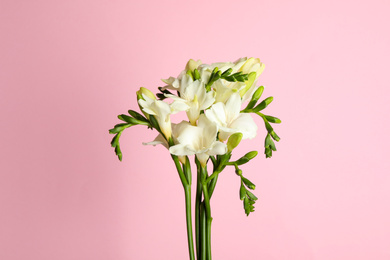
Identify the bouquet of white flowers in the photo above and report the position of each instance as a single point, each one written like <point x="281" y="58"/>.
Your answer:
<point x="212" y="97"/>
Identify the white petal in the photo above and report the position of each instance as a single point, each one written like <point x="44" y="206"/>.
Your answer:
<point x="245" y="124"/>
<point x="208" y="100"/>
<point x="190" y="135"/>
<point x="177" y="129"/>
<point x="202" y="157"/>
<point x="209" y="131"/>
<point x="158" y="140"/>
<point x="233" y="107"/>
<point x="217" y="114"/>
<point x="180" y="150"/>
<point x="178" y="106"/>
<point x="218" y="148"/>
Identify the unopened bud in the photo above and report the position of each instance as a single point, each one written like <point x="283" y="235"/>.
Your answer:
<point x="191" y="64"/>
<point x="248" y="183"/>
<point x="146" y="92"/>
<point x="233" y="141"/>
<point x="251" y="155"/>
<point x="248" y="83"/>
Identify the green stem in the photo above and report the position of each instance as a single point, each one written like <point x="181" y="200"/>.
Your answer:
<point x="202" y="232"/>
<point x="211" y="186"/>
<point x="209" y="219"/>
<point x="187" y="193"/>
<point x="180" y="170"/>
<point x="190" y="238"/>
<point x="198" y="199"/>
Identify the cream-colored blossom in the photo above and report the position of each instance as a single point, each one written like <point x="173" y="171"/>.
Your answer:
<point x="199" y="140"/>
<point x="229" y="120"/>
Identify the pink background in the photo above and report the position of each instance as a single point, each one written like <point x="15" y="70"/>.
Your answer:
<point x="67" y="68"/>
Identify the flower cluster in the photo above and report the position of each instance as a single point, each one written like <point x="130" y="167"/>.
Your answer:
<point x="212" y="97"/>
<point x="218" y="100"/>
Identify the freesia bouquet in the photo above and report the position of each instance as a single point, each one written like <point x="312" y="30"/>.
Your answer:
<point x="213" y="97"/>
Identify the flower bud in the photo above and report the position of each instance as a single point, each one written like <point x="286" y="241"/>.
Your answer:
<point x="253" y="65"/>
<point x="255" y="97"/>
<point x="191" y="64"/>
<point x="234" y="141"/>
<point x="263" y="104"/>
<point x="242" y="192"/>
<point x="251" y="155"/>
<point x="248" y="83"/>
<point x="248" y="183"/>
<point x="145" y="91"/>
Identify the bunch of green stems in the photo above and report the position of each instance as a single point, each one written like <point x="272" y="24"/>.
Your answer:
<point x="205" y="185"/>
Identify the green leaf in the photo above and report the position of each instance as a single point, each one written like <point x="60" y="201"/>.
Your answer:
<point x="263" y="104"/>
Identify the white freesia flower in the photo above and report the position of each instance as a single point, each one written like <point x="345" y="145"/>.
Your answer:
<point x="160" y="110"/>
<point x="224" y="89"/>
<point x="199" y="140"/>
<point x="229" y="120"/>
<point x="193" y="98"/>
<point x="172" y="82"/>
<point x="176" y="131"/>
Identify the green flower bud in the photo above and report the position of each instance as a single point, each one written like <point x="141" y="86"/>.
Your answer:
<point x="263" y="104"/>
<point x="242" y="192"/>
<point x="146" y="92"/>
<point x="248" y="183"/>
<point x="255" y="97"/>
<point x="233" y="141"/>
<point x="196" y="74"/>
<point x="251" y="155"/>
<point x="249" y="83"/>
